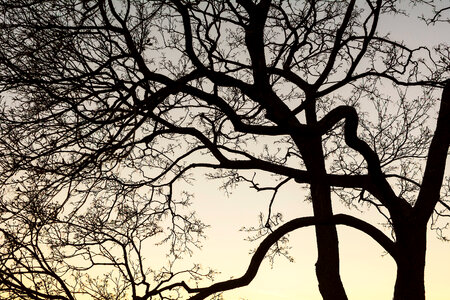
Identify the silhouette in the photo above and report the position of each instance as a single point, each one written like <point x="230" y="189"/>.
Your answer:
<point x="108" y="105"/>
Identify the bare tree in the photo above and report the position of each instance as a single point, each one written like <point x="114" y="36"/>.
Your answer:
<point x="108" y="105"/>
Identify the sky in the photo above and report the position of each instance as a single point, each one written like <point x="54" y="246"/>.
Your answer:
<point x="367" y="273"/>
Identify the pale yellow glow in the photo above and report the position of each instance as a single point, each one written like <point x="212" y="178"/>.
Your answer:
<point x="367" y="272"/>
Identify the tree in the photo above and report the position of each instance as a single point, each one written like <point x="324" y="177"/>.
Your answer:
<point x="108" y="105"/>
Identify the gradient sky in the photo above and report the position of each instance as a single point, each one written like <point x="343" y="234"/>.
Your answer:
<point x="367" y="273"/>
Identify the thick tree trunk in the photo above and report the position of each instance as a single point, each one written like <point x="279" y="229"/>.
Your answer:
<point x="411" y="243"/>
<point x="411" y="232"/>
<point x="327" y="265"/>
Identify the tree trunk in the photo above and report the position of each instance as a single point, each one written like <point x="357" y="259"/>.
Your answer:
<point x="327" y="265"/>
<point x="411" y="243"/>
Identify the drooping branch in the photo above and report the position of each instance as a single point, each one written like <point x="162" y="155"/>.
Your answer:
<point x="258" y="256"/>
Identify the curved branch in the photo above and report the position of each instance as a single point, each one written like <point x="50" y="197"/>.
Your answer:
<point x="385" y="193"/>
<point x="261" y="252"/>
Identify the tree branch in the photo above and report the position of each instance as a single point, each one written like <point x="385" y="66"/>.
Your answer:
<point x="437" y="157"/>
<point x="258" y="256"/>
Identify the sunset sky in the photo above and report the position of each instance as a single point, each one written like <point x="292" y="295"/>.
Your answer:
<point x="125" y="153"/>
<point x="367" y="273"/>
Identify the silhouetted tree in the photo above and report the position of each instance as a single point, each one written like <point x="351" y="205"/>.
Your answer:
<point x="109" y="104"/>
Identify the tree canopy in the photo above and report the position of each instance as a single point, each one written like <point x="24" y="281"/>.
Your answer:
<point x="109" y="105"/>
